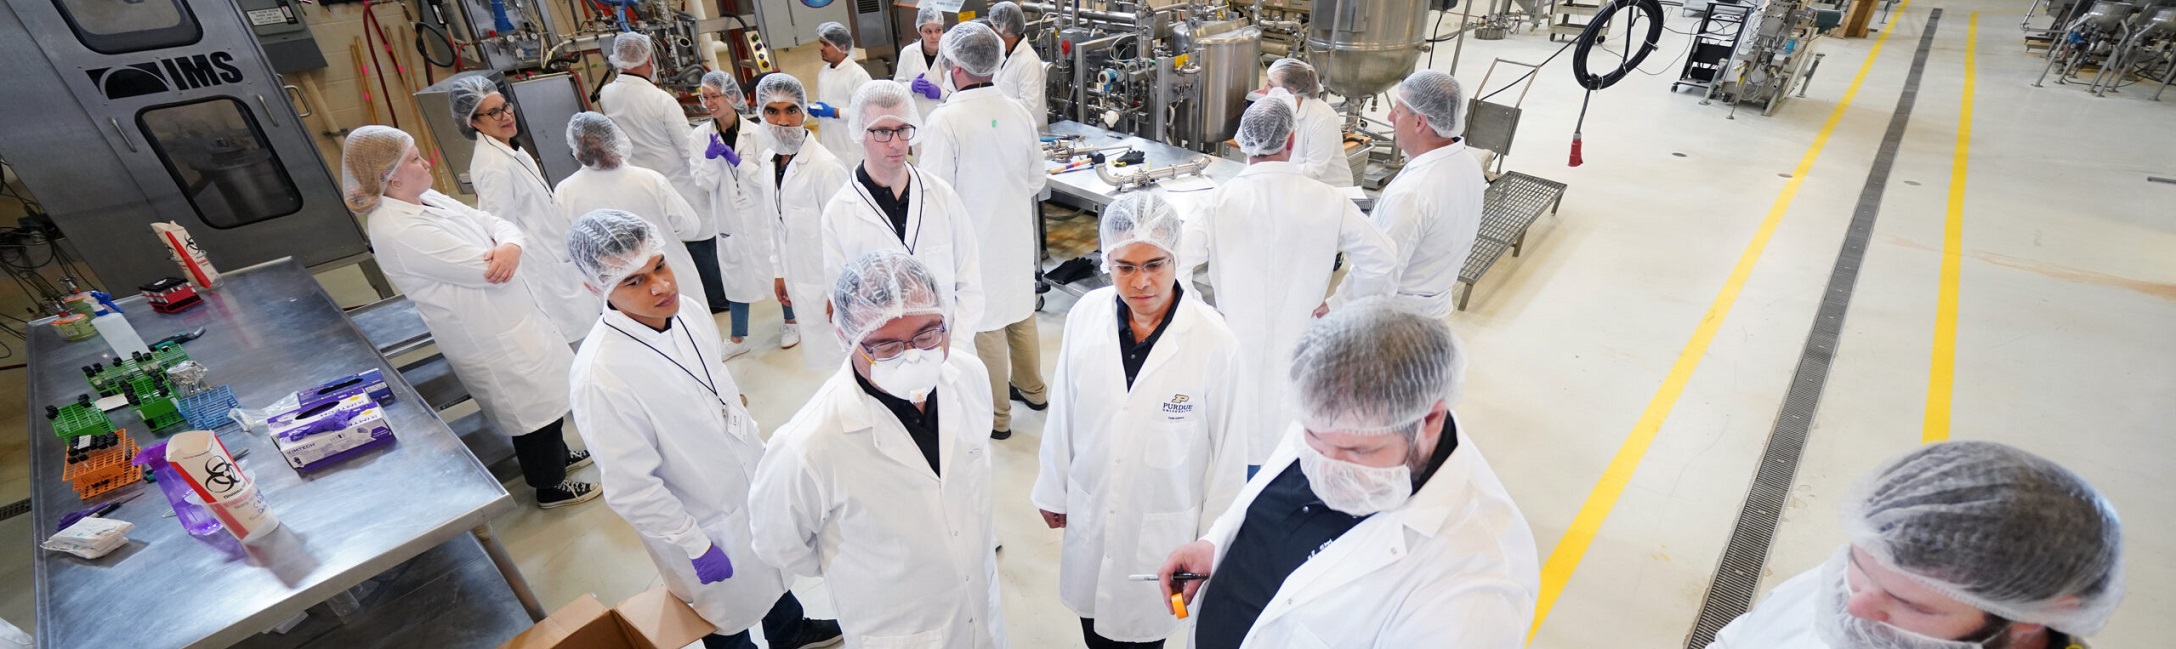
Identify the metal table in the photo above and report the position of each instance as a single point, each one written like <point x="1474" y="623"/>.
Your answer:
<point x="1082" y="188"/>
<point x="268" y="331"/>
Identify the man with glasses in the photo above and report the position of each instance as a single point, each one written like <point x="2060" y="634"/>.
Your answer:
<point x="1146" y="444"/>
<point x="881" y="484"/>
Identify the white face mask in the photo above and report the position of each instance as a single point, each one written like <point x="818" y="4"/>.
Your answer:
<point x="910" y="376"/>
<point x="1355" y="489"/>
<point x="1842" y="630"/>
<point x="786" y="140"/>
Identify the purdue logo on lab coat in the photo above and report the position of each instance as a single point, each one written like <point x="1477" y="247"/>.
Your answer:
<point x="1178" y="406"/>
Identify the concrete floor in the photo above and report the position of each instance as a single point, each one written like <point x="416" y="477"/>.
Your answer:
<point x="2067" y="295"/>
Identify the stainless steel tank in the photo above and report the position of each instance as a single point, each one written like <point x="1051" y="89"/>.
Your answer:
<point x="1230" y="54"/>
<point x="1363" y="47"/>
<point x="2108" y="16"/>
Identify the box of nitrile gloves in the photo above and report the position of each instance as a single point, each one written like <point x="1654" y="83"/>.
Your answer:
<point x="332" y="431"/>
<point x="370" y="382"/>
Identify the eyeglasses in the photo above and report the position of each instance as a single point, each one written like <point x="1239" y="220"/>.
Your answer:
<point x="1157" y="266"/>
<point x="931" y="338"/>
<point x="496" y="113"/>
<point x="886" y="134"/>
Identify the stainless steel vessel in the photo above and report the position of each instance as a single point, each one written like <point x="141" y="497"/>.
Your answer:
<point x="1230" y="63"/>
<point x="1363" y="47"/>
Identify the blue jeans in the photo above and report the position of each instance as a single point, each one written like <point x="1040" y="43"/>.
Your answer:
<point x="740" y="317"/>
<point x="784" y="621"/>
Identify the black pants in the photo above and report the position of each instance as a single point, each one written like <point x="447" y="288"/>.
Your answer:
<point x="1088" y="632"/>
<point x="706" y="264"/>
<point x="779" y="625"/>
<point x="543" y="455"/>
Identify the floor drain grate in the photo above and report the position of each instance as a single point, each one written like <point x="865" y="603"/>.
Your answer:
<point x="14" y="509"/>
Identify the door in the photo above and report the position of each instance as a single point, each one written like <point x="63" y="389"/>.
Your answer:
<point x="790" y="23"/>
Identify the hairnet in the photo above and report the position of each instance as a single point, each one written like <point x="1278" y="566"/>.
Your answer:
<point x="887" y="98"/>
<point x="837" y="35"/>
<point x="1374" y="366"/>
<point x="1139" y="217"/>
<point x="608" y="245"/>
<point x="367" y="161"/>
<point x="878" y="288"/>
<point x="468" y="94"/>
<point x="779" y="86"/>
<point x="629" y="50"/>
<point x="1436" y="95"/>
<point x="929" y="13"/>
<point x="725" y="84"/>
<point x="2004" y="530"/>
<point x="1008" y="19"/>
<point x="1265" y="128"/>
<point x="597" y="142"/>
<point x="974" y="48"/>
<point x="1295" y="76"/>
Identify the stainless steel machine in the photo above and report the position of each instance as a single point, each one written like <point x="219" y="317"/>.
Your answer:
<point x="542" y="105"/>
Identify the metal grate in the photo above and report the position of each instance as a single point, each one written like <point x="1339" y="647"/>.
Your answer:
<point x="1491" y="126"/>
<point x="1510" y="205"/>
<point x="14" y="509"/>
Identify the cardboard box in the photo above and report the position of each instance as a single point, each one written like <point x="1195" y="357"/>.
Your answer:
<point x="651" y="620"/>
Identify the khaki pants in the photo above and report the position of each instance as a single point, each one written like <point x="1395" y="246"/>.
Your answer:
<point x="1014" y="357"/>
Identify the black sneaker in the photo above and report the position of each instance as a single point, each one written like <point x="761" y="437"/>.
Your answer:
<point x="577" y="459"/>
<point x="1016" y="396"/>
<point x="567" y="493"/>
<point x="814" y="633"/>
<point x="1000" y="434"/>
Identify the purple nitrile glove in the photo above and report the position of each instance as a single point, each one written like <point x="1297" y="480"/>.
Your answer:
<point x="717" y="148"/>
<point x="922" y="85"/>
<point x="820" y="109"/>
<point x="732" y="158"/>
<point x="713" y="567"/>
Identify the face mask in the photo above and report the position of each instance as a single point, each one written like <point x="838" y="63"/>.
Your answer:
<point x="1355" y="489"/>
<point x="910" y="376"/>
<point x="1842" y="630"/>
<point x="785" y="140"/>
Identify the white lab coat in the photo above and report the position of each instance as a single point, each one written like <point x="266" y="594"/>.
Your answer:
<point x="745" y="240"/>
<point x="938" y="233"/>
<point x="1453" y="568"/>
<point x="1270" y="237"/>
<point x="1433" y="210"/>
<point x="1139" y="471"/>
<point x="912" y="64"/>
<point x="676" y="459"/>
<point x="796" y="213"/>
<point x="502" y="347"/>
<point x="646" y="194"/>
<point x="1021" y="78"/>
<point x="835" y="85"/>
<point x="1319" y="148"/>
<point x="909" y="555"/>
<point x="656" y="128"/>
<point x="983" y="141"/>
<point x="1782" y="620"/>
<point x="510" y="186"/>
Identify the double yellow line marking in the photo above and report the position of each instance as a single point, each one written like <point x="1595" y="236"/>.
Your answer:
<point x="1942" y="372"/>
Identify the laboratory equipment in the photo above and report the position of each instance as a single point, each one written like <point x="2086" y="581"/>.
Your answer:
<point x="1774" y="49"/>
<point x="170" y="295"/>
<point x="188" y="507"/>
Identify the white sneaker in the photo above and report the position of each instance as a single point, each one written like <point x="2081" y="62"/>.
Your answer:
<point x="733" y="348"/>
<point x="789" y="335"/>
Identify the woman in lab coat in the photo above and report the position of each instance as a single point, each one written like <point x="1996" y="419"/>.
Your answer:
<point x="509" y="185"/>
<point x="1141" y="451"/>
<point x="463" y="269"/>
<point x="918" y="65"/>
<point x="835" y="86"/>
<point x="1319" y="137"/>
<point x="793" y="201"/>
<point x="726" y="166"/>
<point x="607" y="182"/>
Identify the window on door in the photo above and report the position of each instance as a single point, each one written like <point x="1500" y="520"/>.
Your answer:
<point x="122" y="26"/>
<point x="221" y="161"/>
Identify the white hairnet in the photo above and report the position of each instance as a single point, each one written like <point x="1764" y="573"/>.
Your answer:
<point x="1008" y="19"/>
<point x="629" y="50"/>
<point x="1265" y="128"/>
<point x="885" y="98"/>
<point x="779" y="86"/>
<point x="837" y="35"/>
<point x="1374" y="366"/>
<point x="597" y="142"/>
<point x="974" y="48"/>
<point x="878" y="288"/>
<point x="608" y="245"/>
<point x="468" y="93"/>
<point x="1295" y="76"/>
<point x="725" y="84"/>
<point x="1435" y="94"/>
<point x="928" y="14"/>
<point x="1139" y="217"/>
<point x="367" y="161"/>
<point x="2006" y="531"/>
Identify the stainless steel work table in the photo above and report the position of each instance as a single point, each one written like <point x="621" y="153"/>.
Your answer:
<point x="1082" y="188"/>
<point x="269" y="330"/>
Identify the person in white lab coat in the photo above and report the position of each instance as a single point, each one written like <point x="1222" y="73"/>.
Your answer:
<point x="890" y="205"/>
<point x="463" y="269"/>
<point x="725" y="163"/>
<point x="652" y="395"/>
<point x="796" y="180"/>
<point x="1953" y="545"/>
<point x="881" y="484"/>
<point x="1433" y="207"/>
<point x="983" y="143"/>
<point x="1022" y="77"/>
<point x="1271" y="237"/>
<point x="658" y="139"/>
<point x="918" y="65"/>
<point x="1377" y="523"/>
<point x="836" y="83"/>
<point x="509" y="185"/>
<point x="1318" y="131"/>
<point x="607" y="182"/>
<point x="1145" y="445"/>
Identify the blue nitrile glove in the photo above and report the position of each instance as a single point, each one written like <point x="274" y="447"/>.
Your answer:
<point x="718" y="149"/>
<point x="820" y="109"/>
<point x="713" y="567"/>
<point x="922" y="85"/>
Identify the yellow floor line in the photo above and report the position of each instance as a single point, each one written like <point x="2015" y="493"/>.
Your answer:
<point x="1557" y="572"/>
<point x="1942" y="373"/>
